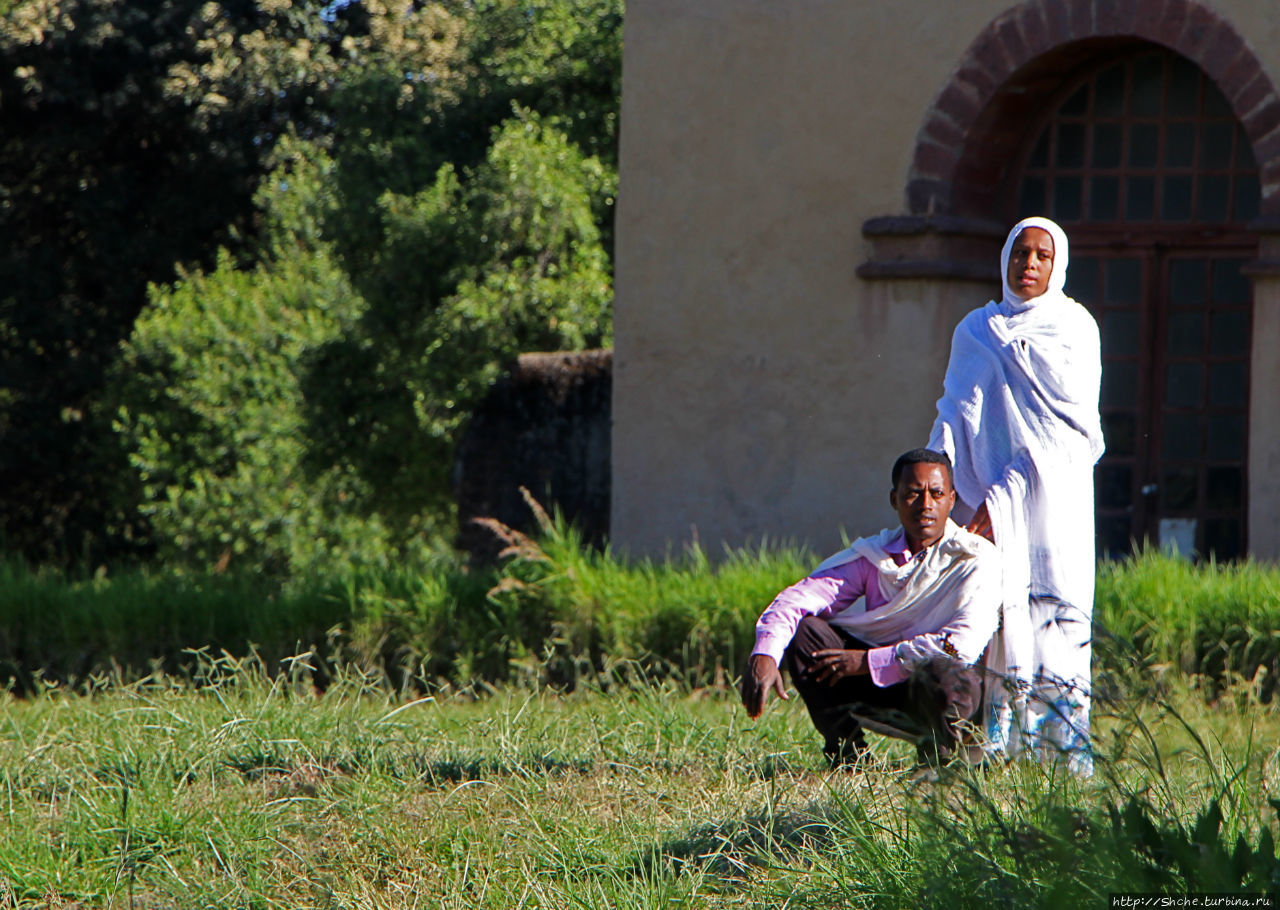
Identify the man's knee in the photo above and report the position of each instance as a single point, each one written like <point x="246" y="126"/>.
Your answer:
<point x="957" y="689"/>
<point x="945" y="696"/>
<point x="814" y="634"/>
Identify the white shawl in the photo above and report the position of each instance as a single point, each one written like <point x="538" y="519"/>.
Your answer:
<point x="1019" y="418"/>
<point x="943" y="604"/>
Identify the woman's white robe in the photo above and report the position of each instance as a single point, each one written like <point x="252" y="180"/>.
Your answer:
<point x="1019" y="418"/>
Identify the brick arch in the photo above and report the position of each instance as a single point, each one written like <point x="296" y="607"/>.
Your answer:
<point x="976" y="125"/>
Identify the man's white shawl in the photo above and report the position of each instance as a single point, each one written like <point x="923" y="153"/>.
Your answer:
<point x="943" y="604"/>
<point x="1019" y="418"/>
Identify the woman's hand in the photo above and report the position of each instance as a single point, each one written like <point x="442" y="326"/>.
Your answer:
<point x="981" y="523"/>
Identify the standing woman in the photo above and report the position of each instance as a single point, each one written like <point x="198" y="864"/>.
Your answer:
<point x="1019" y="418"/>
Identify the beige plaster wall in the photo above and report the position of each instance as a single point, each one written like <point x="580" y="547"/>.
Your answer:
<point x="1259" y="23"/>
<point x="1264" y="420"/>
<point x="760" y="387"/>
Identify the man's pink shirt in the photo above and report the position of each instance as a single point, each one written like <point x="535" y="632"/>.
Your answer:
<point x="826" y="594"/>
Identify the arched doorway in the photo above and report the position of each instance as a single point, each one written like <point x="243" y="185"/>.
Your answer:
<point x="1142" y="159"/>
<point x="977" y="143"/>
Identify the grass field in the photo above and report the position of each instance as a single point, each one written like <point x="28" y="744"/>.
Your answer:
<point x="259" y="792"/>
<point x="560" y="732"/>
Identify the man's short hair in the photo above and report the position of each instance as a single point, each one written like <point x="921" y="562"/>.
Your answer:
<point x="922" y="456"/>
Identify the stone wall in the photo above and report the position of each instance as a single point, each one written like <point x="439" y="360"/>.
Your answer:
<point x="544" y="426"/>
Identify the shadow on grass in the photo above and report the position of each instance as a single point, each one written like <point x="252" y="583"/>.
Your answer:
<point x="729" y="849"/>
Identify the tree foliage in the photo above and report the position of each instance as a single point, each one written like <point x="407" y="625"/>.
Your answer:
<point x="210" y="404"/>
<point x="121" y="155"/>
<point x="405" y="195"/>
<point x="482" y="264"/>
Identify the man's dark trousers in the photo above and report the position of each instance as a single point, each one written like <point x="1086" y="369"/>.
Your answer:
<point x="915" y="710"/>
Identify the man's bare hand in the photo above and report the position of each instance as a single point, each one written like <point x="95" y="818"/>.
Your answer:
<point x="761" y="676"/>
<point x="981" y="523"/>
<point x="831" y="665"/>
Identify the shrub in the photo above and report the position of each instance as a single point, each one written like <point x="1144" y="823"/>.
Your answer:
<point x="209" y="400"/>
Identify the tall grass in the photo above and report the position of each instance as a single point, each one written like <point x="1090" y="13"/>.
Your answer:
<point x="1216" y="622"/>
<point x="555" y="610"/>
<point x="54" y="626"/>
<point x="560" y="613"/>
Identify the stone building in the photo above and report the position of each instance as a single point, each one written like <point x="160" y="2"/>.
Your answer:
<point x="813" y="192"/>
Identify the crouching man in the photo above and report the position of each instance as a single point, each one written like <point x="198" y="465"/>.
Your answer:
<point x="903" y="665"/>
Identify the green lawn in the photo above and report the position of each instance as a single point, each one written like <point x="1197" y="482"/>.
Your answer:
<point x="262" y="793"/>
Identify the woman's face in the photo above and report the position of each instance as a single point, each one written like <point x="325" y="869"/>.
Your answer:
<point x="1031" y="263"/>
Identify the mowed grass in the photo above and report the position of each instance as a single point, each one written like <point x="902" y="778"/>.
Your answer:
<point x="259" y="792"/>
<point x="256" y="794"/>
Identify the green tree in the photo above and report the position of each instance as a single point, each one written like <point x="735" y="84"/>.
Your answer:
<point x="110" y="174"/>
<point x="470" y="272"/>
<point x="441" y="240"/>
<point x="133" y="137"/>
<point x="208" y="399"/>
<point x="210" y="402"/>
<point x="451" y="162"/>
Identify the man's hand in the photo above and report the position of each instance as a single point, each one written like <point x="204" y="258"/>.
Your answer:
<point x="761" y="675"/>
<point x="831" y="665"/>
<point x="981" y="523"/>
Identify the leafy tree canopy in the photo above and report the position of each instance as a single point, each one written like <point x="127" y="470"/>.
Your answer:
<point x="405" y="194"/>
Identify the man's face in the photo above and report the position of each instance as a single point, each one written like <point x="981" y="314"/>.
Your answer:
<point x="923" y="501"/>
<point x="1031" y="263"/>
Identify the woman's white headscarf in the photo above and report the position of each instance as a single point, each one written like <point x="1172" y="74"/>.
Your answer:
<point x="1057" y="278"/>
<point x="1019" y="418"/>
